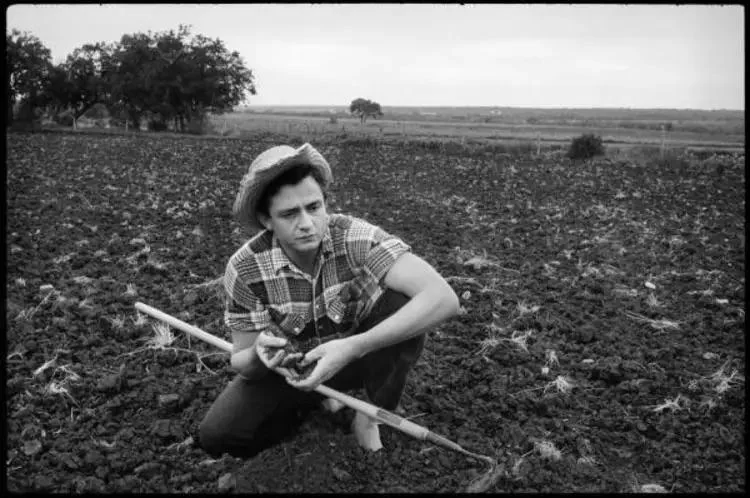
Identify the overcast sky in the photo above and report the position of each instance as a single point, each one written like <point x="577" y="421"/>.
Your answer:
<point x="638" y="56"/>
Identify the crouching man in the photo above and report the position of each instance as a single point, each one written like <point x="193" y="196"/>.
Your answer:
<point x="308" y="277"/>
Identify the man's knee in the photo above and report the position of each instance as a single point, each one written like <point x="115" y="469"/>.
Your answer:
<point x="217" y="442"/>
<point x="212" y="438"/>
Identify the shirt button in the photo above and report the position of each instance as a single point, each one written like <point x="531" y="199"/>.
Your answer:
<point x="336" y="317"/>
<point x="296" y="329"/>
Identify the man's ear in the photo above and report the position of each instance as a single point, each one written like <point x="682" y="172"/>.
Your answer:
<point x="264" y="220"/>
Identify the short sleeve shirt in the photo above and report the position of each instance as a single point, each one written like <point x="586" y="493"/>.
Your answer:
<point x="263" y="286"/>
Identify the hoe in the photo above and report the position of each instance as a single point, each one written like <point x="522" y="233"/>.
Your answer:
<point x="480" y="484"/>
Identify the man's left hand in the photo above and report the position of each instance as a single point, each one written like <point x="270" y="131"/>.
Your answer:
<point x="331" y="357"/>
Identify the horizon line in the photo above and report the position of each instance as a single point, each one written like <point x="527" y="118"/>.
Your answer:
<point x="512" y="107"/>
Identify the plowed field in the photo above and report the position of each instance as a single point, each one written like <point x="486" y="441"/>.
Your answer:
<point x="600" y="348"/>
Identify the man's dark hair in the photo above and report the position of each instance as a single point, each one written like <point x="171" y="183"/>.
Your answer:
<point x="292" y="176"/>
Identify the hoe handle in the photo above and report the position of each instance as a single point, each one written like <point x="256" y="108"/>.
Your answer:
<point x="185" y="327"/>
<point x="384" y="416"/>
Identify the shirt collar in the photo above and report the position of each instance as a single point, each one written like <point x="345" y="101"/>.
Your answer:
<point x="279" y="259"/>
<point x="327" y="241"/>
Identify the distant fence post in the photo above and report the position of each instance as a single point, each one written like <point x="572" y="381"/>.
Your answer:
<point x="538" y="143"/>
<point x="663" y="139"/>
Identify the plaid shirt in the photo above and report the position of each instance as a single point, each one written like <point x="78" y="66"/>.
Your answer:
<point x="263" y="286"/>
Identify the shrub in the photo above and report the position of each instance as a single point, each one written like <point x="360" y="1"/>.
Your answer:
<point x="198" y="126"/>
<point x="495" y="149"/>
<point x="117" y="122"/>
<point x="453" y="148"/>
<point x="674" y="159"/>
<point x="362" y="142"/>
<point x="28" y="117"/>
<point x="586" y="146"/>
<point x="523" y="148"/>
<point x="64" y="118"/>
<point x="157" y="125"/>
<point x="98" y="111"/>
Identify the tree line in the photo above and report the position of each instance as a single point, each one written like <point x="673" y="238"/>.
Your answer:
<point x="170" y="78"/>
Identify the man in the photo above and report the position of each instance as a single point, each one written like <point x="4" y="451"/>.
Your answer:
<point x="355" y="290"/>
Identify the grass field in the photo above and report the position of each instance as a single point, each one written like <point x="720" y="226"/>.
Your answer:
<point x="536" y="127"/>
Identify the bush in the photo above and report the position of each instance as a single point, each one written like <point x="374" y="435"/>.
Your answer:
<point x="27" y="118"/>
<point x="157" y="125"/>
<point x="586" y="146"/>
<point x="64" y="118"/>
<point x="200" y="126"/>
<point x="117" y="122"/>
<point x="362" y="142"/>
<point x="672" y="160"/>
<point x="98" y="111"/>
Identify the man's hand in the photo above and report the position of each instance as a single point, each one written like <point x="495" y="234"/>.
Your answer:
<point x="270" y="349"/>
<point x="331" y="357"/>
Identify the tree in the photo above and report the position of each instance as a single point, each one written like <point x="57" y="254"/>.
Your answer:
<point x="27" y="65"/>
<point x="172" y="76"/>
<point x="163" y="76"/>
<point x="364" y="108"/>
<point x="131" y="73"/>
<point x="82" y="81"/>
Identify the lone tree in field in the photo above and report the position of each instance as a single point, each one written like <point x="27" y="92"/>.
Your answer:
<point x="364" y="108"/>
<point x="27" y="67"/>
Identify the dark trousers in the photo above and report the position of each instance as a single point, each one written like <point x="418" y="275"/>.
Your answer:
<point x="249" y="416"/>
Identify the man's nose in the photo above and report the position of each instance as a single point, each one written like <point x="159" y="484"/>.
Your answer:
<point x="305" y="220"/>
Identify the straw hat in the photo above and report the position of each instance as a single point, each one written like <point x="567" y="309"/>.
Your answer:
<point x="267" y="166"/>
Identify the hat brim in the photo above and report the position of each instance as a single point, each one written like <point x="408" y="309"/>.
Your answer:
<point x="263" y="171"/>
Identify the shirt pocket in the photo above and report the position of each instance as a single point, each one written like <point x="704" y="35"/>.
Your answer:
<point x="290" y="323"/>
<point x="340" y="307"/>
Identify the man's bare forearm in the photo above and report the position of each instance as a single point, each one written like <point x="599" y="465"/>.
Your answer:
<point x="425" y="310"/>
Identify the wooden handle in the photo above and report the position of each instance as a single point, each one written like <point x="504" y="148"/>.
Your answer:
<point x="400" y="423"/>
<point x="384" y="416"/>
<point x="185" y="327"/>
